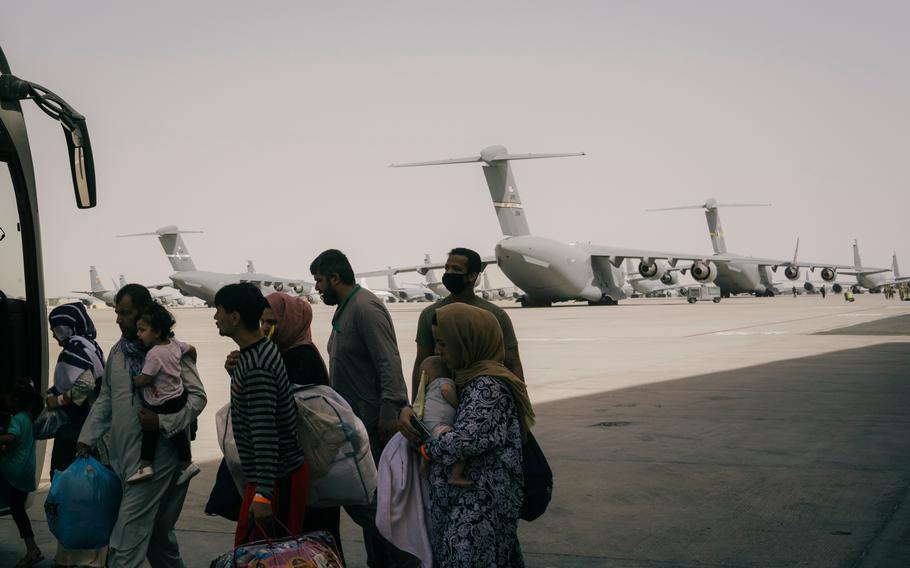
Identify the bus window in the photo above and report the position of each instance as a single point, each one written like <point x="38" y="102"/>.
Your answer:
<point x="12" y="275"/>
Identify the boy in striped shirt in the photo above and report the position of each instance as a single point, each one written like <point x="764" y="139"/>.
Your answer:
<point x="263" y="416"/>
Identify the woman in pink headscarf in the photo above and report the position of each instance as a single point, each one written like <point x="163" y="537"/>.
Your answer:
<point x="286" y="321"/>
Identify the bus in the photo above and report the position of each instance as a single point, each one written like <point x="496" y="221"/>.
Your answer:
<point x="23" y="307"/>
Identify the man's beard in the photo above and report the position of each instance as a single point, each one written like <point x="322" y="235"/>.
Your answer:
<point x="330" y="298"/>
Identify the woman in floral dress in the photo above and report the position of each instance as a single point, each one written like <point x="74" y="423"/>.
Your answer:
<point x="477" y="525"/>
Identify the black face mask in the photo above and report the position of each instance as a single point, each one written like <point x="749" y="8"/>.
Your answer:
<point x="454" y="283"/>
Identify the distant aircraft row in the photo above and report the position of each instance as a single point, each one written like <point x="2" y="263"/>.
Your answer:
<point x="545" y="271"/>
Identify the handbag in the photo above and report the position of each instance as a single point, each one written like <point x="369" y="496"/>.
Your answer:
<point x="48" y="422"/>
<point x="309" y="549"/>
<point x="538" y="480"/>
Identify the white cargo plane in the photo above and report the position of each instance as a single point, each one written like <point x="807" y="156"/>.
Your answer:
<point x="663" y="286"/>
<point x="97" y="289"/>
<point x="874" y="279"/>
<point x="552" y="271"/>
<point x="203" y="284"/>
<point x="738" y="274"/>
<point x="163" y="298"/>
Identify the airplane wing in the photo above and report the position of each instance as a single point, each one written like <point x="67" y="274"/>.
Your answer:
<point x="268" y="280"/>
<point x="420" y="268"/>
<point x="865" y="271"/>
<point x="618" y="254"/>
<point x="160" y="286"/>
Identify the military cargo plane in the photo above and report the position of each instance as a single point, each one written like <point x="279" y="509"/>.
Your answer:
<point x="552" y="271"/>
<point x="203" y="284"/>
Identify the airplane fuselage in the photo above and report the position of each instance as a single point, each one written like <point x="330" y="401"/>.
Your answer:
<point x="742" y="278"/>
<point x="873" y="282"/>
<point x="553" y="271"/>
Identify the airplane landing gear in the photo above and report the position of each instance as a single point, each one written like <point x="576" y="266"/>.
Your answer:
<point x="529" y="303"/>
<point x="605" y="301"/>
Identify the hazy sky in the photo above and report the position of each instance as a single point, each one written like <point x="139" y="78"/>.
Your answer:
<point x="271" y="127"/>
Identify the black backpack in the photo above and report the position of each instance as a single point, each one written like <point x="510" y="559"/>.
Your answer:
<point x="538" y="480"/>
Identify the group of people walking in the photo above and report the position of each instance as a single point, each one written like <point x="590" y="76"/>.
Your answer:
<point x="137" y="408"/>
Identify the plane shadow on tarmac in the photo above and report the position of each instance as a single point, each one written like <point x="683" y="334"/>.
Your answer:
<point x="800" y="462"/>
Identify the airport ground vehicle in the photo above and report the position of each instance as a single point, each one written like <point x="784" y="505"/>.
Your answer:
<point x="23" y="308"/>
<point x="703" y="292"/>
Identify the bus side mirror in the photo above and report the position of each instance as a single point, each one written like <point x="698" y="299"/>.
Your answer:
<point x="82" y="165"/>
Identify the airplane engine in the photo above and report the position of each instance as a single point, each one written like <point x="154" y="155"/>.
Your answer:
<point x="669" y="279"/>
<point x="298" y="288"/>
<point x="829" y="274"/>
<point x="279" y="286"/>
<point x="837" y="288"/>
<point x="808" y="286"/>
<point x="503" y="293"/>
<point x="429" y="296"/>
<point x="792" y="272"/>
<point x="704" y="272"/>
<point x="651" y="269"/>
<point x="486" y="295"/>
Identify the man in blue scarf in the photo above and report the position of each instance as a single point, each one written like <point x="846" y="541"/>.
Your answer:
<point x="149" y="510"/>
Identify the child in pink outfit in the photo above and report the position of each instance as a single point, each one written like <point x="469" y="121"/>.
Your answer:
<point x="162" y="389"/>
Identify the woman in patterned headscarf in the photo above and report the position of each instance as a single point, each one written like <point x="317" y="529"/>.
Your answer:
<point x="77" y="377"/>
<point x="477" y="525"/>
<point x="77" y="382"/>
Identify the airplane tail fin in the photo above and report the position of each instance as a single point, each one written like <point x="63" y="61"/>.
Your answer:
<point x="894" y="267"/>
<point x="714" y="228"/>
<point x="173" y="245"/>
<point x="250" y="269"/>
<point x="501" y="183"/>
<point x="857" y="261"/>
<point x="392" y="281"/>
<point x="122" y="281"/>
<point x="96" y="285"/>
<point x="430" y="275"/>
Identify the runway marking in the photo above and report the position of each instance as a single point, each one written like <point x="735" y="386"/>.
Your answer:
<point x="752" y="333"/>
<point x="856" y="315"/>
<point x="560" y="339"/>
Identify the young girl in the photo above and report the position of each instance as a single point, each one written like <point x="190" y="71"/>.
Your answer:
<point x="18" y="465"/>
<point x="162" y="389"/>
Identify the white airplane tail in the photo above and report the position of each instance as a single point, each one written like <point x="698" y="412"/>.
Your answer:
<point x="857" y="261"/>
<point x="250" y="268"/>
<point x="95" y="281"/>
<point x="713" y="217"/>
<point x="894" y="267"/>
<point x="430" y="274"/>
<point x="501" y="182"/>
<point x="122" y="281"/>
<point x="173" y="245"/>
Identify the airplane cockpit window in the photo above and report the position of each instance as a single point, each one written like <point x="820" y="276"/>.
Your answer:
<point x="12" y="259"/>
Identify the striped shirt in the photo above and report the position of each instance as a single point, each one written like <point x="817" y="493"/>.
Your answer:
<point x="264" y="417"/>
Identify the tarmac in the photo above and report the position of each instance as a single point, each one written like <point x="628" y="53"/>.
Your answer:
<point x="754" y="432"/>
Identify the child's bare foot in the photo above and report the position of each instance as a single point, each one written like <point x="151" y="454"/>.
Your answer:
<point x="460" y="481"/>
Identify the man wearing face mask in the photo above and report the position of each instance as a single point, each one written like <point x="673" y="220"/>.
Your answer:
<point x="463" y="268"/>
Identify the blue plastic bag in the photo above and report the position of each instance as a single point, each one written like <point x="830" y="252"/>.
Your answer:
<point x="82" y="504"/>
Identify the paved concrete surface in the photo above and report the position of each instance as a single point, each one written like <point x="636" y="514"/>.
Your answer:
<point x="680" y="435"/>
<point x="897" y="325"/>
